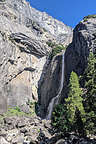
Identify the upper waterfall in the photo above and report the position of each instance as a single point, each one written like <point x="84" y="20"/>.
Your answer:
<point x="55" y="100"/>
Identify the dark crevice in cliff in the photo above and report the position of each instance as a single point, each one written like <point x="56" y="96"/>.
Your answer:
<point x="30" y="69"/>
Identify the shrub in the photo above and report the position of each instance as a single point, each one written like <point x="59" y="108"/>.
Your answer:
<point x="88" y="17"/>
<point x="60" y="119"/>
<point x="50" y="44"/>
<point x="14" y="111"/>
<point x="57" y="49"/>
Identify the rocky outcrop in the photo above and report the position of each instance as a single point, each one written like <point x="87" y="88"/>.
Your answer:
<point x="21" y="12"/>
<point x="35" y="19"/>
<point x="24" y="33"/>
<point x="33" y="130"/>
<point x="18" y="63"/>
<point x="84" y="41"/>
<point x="24" y="130"/>
<point x="29" y="45"/>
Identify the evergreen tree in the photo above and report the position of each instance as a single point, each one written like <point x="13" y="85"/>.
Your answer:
<point x="70" y="116"/>
<point x="79" y="113"/>
<point x="60" y="118"/>
<point x="74" y="101"/>
<point x="90" y="96"/>
<point x="90" y="83"/>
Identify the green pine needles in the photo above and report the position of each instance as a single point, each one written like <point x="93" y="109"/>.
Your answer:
<point x="89" y="78"/>
<point x="67" y="115"/>
<point x="78" y="113"/>
<point x="74" y="100"/>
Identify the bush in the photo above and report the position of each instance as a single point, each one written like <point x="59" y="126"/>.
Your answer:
<point x="50" y="44"/>
<point x="14" y="111"/>
<point x="59" y="118"/>
<point x="88" y="17"/>
<point x="57" y="49"/>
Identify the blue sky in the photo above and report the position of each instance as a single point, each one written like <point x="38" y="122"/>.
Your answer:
<point x="68" y="11"/>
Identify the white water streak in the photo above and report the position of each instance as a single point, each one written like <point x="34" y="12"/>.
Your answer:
<point x="55" y="100"/>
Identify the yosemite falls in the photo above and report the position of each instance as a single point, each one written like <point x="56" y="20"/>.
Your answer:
<point x="55" y="100"/>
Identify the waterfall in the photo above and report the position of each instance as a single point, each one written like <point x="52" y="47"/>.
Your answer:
<point x="56" y="99"/>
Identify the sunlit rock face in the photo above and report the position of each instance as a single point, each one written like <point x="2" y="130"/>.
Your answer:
<point x="76" y="57"/>
<point x="28" y="15"/>
<point x="24" y="32"/>
<point x="84" y="42"/>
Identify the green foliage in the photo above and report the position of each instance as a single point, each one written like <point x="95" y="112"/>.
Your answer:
<point x="88" y="17"/>
<point x="71" y="115"/>
<point x="74" y="100"/>
<point x="60" y="119"/>
<point x="58" y="49"/>
<point x="32" y="106"/>
<point x="89" y="78"/>
<point x="78" y="113"/>
<point x="29" y="102"/>
<point x="90" y="125"/>
<point x="50" y="44"/>
<point x="14" y="111"/>
<point x="74" y="103"/>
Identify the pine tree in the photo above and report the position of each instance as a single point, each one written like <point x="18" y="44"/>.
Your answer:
<point x="90" y="96"/>
<point x="70" y="116"/>
<point x="90" y="83"/>
<point x="74" y="100"/>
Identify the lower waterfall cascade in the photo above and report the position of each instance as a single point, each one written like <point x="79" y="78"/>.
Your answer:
<point x="55" y="100"/>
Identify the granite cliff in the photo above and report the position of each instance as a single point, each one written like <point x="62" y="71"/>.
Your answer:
<point x="50" y="86"/>
<point x="27" y="72"/>
<point x="84" y="42"/>
<point x="24" y="36"/>
<point x="76" y="56"/>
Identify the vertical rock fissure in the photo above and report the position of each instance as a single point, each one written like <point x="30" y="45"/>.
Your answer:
<point x="55" y="100"/>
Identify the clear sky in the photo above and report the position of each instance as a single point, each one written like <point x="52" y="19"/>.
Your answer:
<point x="68" y="11"/>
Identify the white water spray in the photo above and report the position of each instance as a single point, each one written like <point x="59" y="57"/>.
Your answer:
<point x="56" y="99"/>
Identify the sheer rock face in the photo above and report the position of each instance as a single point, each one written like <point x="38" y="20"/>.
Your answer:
<point x="76" y="55"/>
<point x="35" y="19"/>
<point x="24" y="32"/>
<point x="84" y="41"/>
<point x="50" y="86"/>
